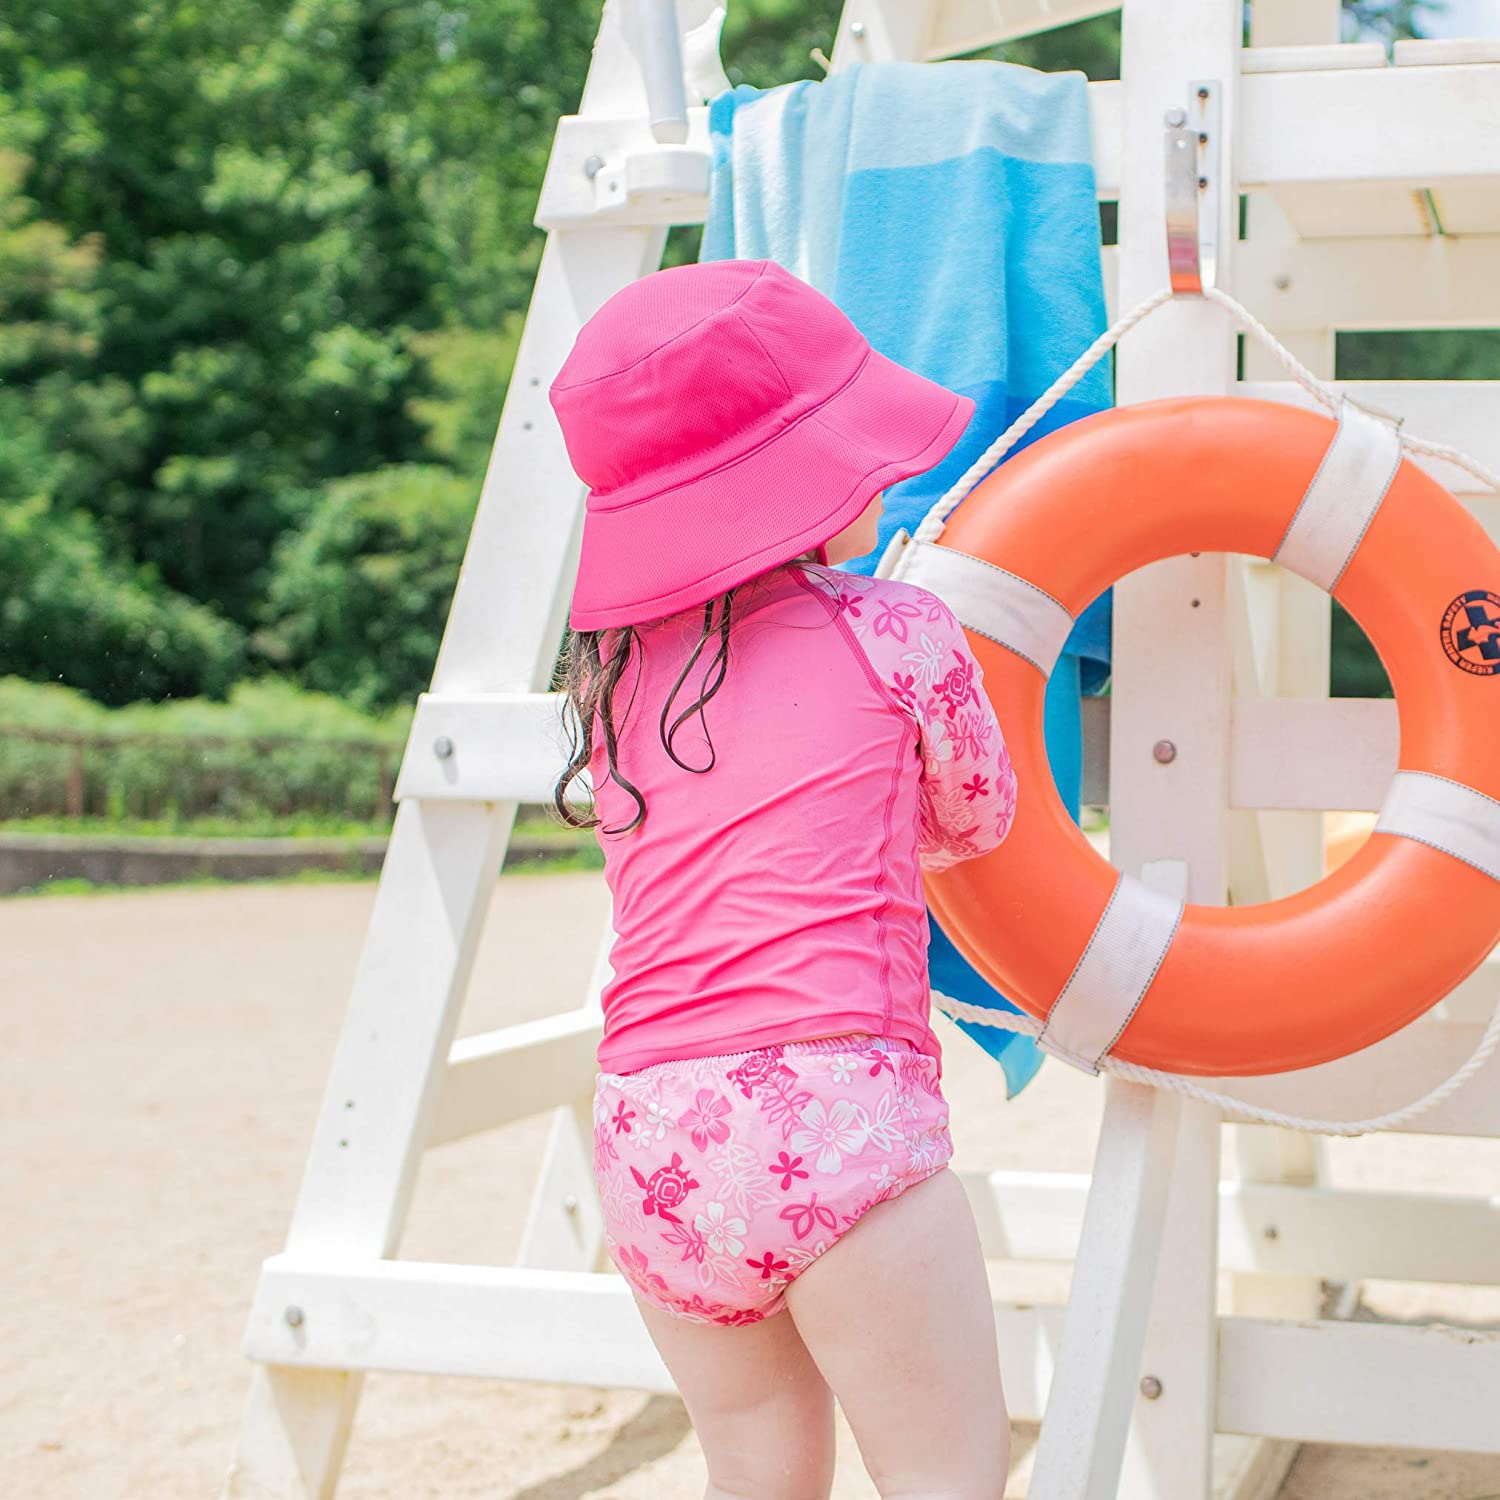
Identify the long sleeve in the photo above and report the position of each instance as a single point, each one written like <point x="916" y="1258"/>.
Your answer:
<point x="917" y="648"/>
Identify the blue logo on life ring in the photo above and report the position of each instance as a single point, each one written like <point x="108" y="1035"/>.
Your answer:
<point x="1471" y="632"/>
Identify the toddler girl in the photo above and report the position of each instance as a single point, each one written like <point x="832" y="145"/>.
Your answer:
<point x="777" y="750"/>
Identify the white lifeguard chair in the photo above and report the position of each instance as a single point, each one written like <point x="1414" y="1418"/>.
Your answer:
<point x="1374" y="203"/>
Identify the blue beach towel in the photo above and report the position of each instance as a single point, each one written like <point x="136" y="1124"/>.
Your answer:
<point x="950" y="210"/>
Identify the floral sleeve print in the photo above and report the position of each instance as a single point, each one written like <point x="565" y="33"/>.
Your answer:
<point x="917" y="647"/>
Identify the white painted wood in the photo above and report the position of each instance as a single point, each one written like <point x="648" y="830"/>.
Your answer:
<point x="877" y="31"/>
<point x="1337" y="754"/>
<point x="1266" y="1228"/>
<point x="564" y="1227"/>
<point x="1365" y="1383"/>
<point x="1294" y="23"/>
<point x="1374" y="283"/>
<point x="1385" y="1076"/>
<point x="968" y="25"/>
<point x="1462" y="413"/>
<point x="293" y="1434"/>
<point x="491" y="747"/>
<point x="1089" y="1405"/>
<point x="1170" y="1447"/>
<point x="498" y="1077"/>
<point x="1447" y="51"/>
<point x="1304" y="58"/>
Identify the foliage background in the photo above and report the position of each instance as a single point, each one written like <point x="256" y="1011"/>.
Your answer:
<point x="263" y="265"/>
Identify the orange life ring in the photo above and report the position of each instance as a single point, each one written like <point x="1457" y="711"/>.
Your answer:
<point x="1315" y="976"/>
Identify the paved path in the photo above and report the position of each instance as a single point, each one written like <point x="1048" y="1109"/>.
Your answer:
<point x="161" y="1059"/>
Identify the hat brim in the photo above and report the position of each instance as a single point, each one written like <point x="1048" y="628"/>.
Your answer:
<point x="651" y="556"/>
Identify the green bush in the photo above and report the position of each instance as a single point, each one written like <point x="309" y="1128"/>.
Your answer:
<point x="359" y="594"/>
<point x="202" y="760"/>
<point x="119" y="633"/>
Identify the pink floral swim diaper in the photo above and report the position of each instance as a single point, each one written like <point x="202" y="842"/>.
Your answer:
<point x="723" y="1178"/>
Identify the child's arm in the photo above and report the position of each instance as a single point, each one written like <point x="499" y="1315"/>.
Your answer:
<point x="968" y="787"/>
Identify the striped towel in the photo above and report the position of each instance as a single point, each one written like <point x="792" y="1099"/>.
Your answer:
<point x="950" y="210"/>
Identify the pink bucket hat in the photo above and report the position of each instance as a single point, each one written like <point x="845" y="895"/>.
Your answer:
<point x="726" y="418"/>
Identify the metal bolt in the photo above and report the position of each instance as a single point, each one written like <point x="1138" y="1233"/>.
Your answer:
<point x="442" y="747"/>
<point x="1150" y="1387"/>
<point x="1281" y="282"/>
<point x="293" y="1316"/>
<point x="1271" y="1232"/>
<point x="593" y="166"/>
<point x="1202" y="137"/>
<point x="1203" y="93"/>
<point x="527" y="426"/>
<point x="1164" y="752"/>
<point x="1203" y="182"/>
<point x="856" y="29"/>
<point x="1176" y="118"/>
<point x="570" y="1204"/>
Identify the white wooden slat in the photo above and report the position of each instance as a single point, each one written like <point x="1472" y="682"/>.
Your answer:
<point x="875" y="31"/>
<point x="1274" y="1378"/>
<point x="1304" y="58"/>
<point x="1314" y="1231"/>
<point x="484" y="747"/>
<point x="1447" y="51"/>
<point x="1385" y="1076"/>
<point x="1370" y="283"/>
<point x="1367" y="124"/>
<point x="1088" y="1411"/>
<point x="1370" y="1384"/>
<point x="1300" y="128"/>
<point x="509" y="1324"/>
<point x="1364" y="210"/>
<point x="497" y="1077"/>
<point x="968" y="25"/>
<point x="1335" y="754"/>
<point x="1462" y="413"/>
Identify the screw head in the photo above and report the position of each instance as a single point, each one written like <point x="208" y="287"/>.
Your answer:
<point x="570" y="1204"/>
<point x="1203" y="92"/>
<point x="1150" y="1387"/>
<point x="856" y="29"/>
<point x="442" y="747"/>
<point x="1176" y="118"/>
<point x="1271" y="1232"/>
<point x="1281" y="282"/>
<point x="1164" y="752"/>
<point x="593" y="166"/>
<point x="293" y="1316"/>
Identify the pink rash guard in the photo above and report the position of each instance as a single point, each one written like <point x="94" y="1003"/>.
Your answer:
<point x="778" y="896"/>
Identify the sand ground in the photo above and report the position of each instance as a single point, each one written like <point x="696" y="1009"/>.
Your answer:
<point x="161" y="1060"/>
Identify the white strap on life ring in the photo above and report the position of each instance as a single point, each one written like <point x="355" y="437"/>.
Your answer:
<point x="1343" y="497"/>
<point x="1111" y="978"/>
<point x="989" y="601"/>
<point x="1445" y="814"/>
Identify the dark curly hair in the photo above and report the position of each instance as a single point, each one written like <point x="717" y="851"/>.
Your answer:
<point x="593" y="663"/>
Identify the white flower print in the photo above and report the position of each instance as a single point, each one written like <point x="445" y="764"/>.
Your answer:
<point x="721" y="1233"/>
<point x="926" y="1147"/>
<point x="652" y="1125"/>
<point x="927" y="660"/>
<point x="883" y="1128"/>
<point x="742" y="1174"/>
<point x="883" y="1178"/>
<point x="620" y="1201"/>
<point x="836" y="1132"/>
<point x="841" y="1069"/>
<point x="938" y="745"/>
<point x="802" y="1256"/>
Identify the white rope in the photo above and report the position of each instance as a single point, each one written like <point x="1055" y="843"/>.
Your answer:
<point x="931" y="528"/>
<point x="931" y="525"/>
<point x="1241" y="1109"/>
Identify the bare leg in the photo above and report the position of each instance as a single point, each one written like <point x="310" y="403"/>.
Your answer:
<point x="762" y="1412"/>
<point x="898" y="1316"/>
